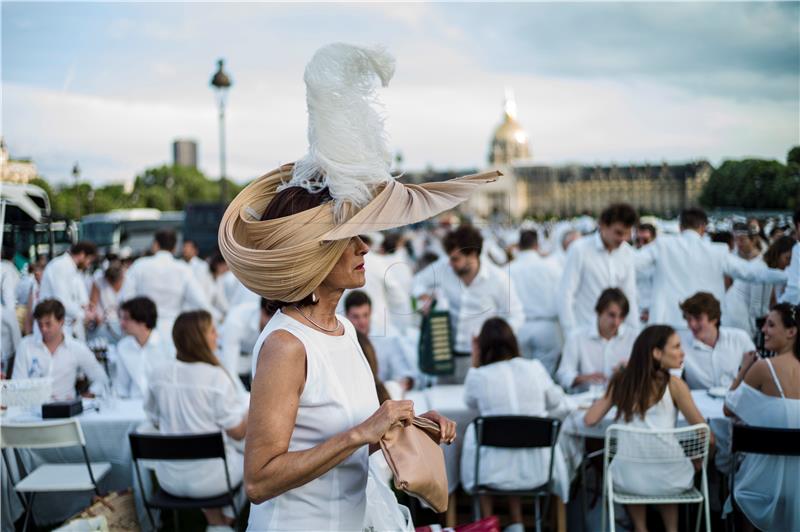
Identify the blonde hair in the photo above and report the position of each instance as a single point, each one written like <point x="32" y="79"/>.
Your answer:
<point x="189" y="336"/>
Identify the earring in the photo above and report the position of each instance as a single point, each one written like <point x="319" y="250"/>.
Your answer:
<point x="314" y="298"/>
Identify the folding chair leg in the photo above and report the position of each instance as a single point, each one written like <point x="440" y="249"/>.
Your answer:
<point x="476" y="507"/>
<point x="699" y="517"/>
<point x="538" y="514"/>
<point x="708" y="514"/>
<point x="175" y="521"/>
<point x="28" y="512"/>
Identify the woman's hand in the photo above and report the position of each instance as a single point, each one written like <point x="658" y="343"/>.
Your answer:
<point x="447" y="427"/>
<point x="389" y="413"/>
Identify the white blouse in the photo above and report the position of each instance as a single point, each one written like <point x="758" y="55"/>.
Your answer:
<point x="339" y="393"/>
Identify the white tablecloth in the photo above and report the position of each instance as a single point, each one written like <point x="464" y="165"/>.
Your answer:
<point x="106" y="433"/>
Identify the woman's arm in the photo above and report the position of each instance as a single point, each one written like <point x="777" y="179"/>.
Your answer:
<point x="683" y="400"/>
<point x="239" y="431"/>
<point x="598" y="410"/>
<point x="269" y="467"/>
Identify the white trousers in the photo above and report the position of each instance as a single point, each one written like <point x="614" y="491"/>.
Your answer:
<point x="542" y="340"/>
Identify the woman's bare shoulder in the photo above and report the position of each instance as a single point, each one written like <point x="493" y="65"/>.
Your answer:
<point x="281" y="346"/>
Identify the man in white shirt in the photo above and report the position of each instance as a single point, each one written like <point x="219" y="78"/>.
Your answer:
<point x="62" y="280"/>
<point x="713" y="353"/>
<point x="596" y="262"/>
<point x="168" y="282"/>
<point x="593" y="353"/>
<point x="645" y="234"/>
<point x="9" y="278"/>
<point x="142" y="350"/>
<point x="57" y="355"/>
<point x="473" y="289"/>
<point x="686" y="264"/>
<point x="399" y="275"/>
<point x="792" y="292"/>
<point x="537" y="286"/>
<point x="200" y="269"/>
<point x="745" y="302"/>
<point x="239" y="333"/>
<point x="396" y="355"/>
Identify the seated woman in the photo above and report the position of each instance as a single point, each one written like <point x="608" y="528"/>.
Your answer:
<point x="501" y="382"/>
<point x="766" y="393"/>
<point x="646" y="396"/>
<point x="193" y="394"/>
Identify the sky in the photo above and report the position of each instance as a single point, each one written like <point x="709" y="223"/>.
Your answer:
<point x="111" y="85"/>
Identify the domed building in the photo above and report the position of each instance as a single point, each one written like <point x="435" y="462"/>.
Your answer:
<point x="510" y="141"/>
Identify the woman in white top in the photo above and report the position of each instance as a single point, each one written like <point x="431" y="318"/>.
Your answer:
<point x="314" y="415"/>
<point x="501" y="382"/>
<point x="105" y="300"/>
<point x="766" y="393"/>
<point x="193" y="395"/>
<point x="647" y="396"/>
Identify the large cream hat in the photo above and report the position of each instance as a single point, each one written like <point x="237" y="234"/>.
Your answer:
<point x="288" y="257"/>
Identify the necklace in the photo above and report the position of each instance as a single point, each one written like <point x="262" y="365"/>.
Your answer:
<point x="317" y="325"/>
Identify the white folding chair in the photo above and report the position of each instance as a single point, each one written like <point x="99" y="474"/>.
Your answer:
<point x="667" y="448"/>
<point x="51" y="477"/>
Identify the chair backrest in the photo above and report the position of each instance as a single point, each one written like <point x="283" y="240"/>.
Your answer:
<point x="176" y="446"/>
<point x="657" y="446"/>
<point x="765" y="440"/>
<point x="516" y="431"/>
<point x="42" y="435"/>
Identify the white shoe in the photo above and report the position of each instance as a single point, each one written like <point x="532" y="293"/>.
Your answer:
<point x="514" y="527"/>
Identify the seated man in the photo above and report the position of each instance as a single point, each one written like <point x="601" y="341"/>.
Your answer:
<point x="239" y="334"/>
<point x="57" y="355"/>
<point x="594" y="352"/>
<point x="395" y="357"/>
<point x="142" y="349"/>
<point x="713" y="353"/>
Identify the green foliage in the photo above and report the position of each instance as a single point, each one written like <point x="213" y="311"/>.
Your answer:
<point x="753" y="184"/>
<point x="168" y="188"/>
<point x="794" y="156"/>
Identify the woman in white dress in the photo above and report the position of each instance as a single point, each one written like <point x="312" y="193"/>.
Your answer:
<point x="766" y="393"/>
<point x="194" y="394"/>
<point x="291" y="236"/>
<point x="647" y="396"/>
<point x="501" y="382"/>
<point x="104" y="299"/>
<point x="315" y="417"/>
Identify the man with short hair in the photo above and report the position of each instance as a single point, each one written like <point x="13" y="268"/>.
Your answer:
<point x="792" y="292"/>
<point x="473" y="289"/>
<point x="57" y="355"/>
<point x="687" y="263"/>
<point x="593" y="353"/>
<point x="713" y="353"/>
<point x="168" y="282"/>
<point x="395" y="359"/>
<point x="596" y="262"/>
<point x="141" y="350"/>
<point x="536" y="283"/>
<point x="645" y="234"/>
<point x="62" y="280"/>
<point x="200" y="269"/>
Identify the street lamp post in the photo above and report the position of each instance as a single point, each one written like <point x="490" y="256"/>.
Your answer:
<point x="76" y="173"/>
<point x="221" y="83"/>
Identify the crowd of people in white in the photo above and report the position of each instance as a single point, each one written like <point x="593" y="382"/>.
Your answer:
<point x="640" y="315"/>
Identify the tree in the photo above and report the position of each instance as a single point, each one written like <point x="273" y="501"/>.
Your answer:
<point x="793" y="158"/>
<point x="753" y="184"/>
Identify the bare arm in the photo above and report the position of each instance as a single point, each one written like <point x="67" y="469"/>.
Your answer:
<point x="598" y="410"/>
<point x="269" y="467"/>
<point x="238" y="432"/>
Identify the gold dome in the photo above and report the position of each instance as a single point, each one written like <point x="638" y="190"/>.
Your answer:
<point x="510" y="141"/>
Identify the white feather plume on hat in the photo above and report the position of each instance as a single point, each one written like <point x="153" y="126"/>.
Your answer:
<point x="347" y="144"/>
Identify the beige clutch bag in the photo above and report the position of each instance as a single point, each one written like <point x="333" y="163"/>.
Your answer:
<point x="417" y="461"/>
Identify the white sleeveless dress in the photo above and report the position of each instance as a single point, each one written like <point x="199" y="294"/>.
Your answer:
<point x="768" y="487"/>
<point x="339" y="393"/>
<point x="633" y="476"/>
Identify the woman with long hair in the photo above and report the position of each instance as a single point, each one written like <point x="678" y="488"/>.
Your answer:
<point x="766" y="393"/>
<point x="647" y="396"/>
<point x="501" y="382"/>
<point x="194" y="394"/>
